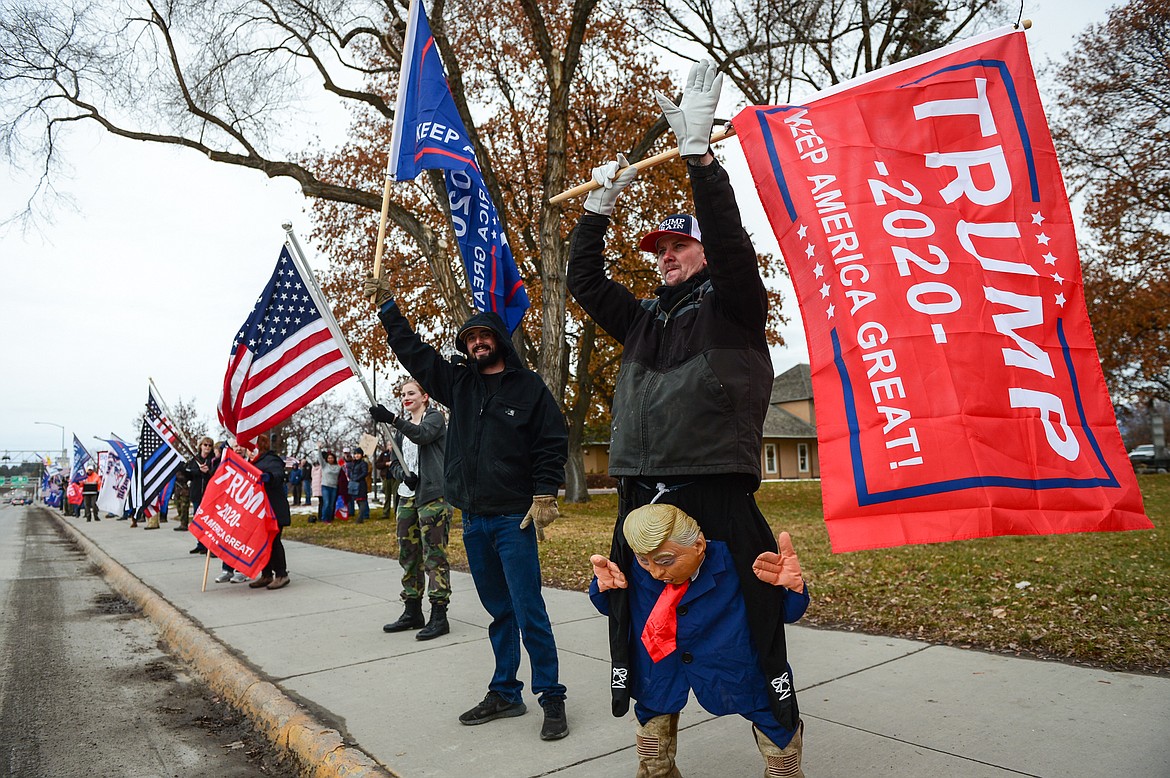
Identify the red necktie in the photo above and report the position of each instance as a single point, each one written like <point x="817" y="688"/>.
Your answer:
<point x="661" y="628"/>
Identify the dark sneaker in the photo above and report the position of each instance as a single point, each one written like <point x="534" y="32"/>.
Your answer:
<point x="556" y="724"/>
<point x="493" y="707"/>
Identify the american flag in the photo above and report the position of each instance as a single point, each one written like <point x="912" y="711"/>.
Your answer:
<point x="283" y="358"/>
<point x="160" y="459"/>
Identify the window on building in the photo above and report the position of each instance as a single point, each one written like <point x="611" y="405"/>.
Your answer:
<point x="770" y="457"/>
<point x="802" y="457"/>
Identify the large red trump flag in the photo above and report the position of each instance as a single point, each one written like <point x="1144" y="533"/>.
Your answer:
<point x="235" y="520"/>
<point x="928" y="234"/>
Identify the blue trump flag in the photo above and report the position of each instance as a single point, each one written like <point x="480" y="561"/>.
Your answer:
<point x="429" y="135"/>
<point x="81" y="457"/>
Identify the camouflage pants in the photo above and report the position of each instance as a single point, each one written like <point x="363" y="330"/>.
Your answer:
<point x="422" y="548"/>
<point x="183" y="508"/>
<point x="390" y="495"/>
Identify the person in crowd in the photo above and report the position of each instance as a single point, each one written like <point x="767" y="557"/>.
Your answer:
<point x="330" y="471"/>
<point x="89" y="493"/>
<point x="199" y="470"/>
<point x="389" y="485"/>
<point x="503" y="464"/>
<point x="424" y="517"/>
<point x="296" y="481"/>
<point x="691" y="634"/>
<point x="182" y="498"/>
<point x="312" y="481"/>
<point x="271" y="466"/>
<point x="357" y="498"/>
<point x="696" y="375"/>
<point x="74" y="498"/>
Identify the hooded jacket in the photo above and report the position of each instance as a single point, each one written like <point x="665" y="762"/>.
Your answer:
<point x="696" y="376"/>
<point x="503" y="447"/>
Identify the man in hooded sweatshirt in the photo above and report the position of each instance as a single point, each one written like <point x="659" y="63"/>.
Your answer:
<point x="503" y="464"/>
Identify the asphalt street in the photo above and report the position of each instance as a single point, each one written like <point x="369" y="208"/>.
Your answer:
<point x="85" y="689"/>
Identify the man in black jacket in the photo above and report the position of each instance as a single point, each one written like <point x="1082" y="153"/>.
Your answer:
<point x="503" y="464"/>
<point x="695" y="379"/>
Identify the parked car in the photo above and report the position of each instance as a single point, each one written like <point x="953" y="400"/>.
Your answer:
<point x="20" y="497"/>
<point x="1141" y="454"/>
<point x="1145" y="459"/>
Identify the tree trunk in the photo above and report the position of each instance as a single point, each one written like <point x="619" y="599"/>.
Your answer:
<point x="576" y="487"/>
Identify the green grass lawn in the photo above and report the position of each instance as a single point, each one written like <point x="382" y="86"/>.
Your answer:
<point x="1100" y="598"/>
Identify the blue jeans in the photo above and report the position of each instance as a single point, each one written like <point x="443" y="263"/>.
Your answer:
<point x="328" y="502"/>
<point x="506" y="571"/>
<point x="362" y="506"/>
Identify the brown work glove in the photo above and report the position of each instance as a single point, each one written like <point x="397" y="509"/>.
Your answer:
<point x="542" y="513"/>
<point x="377" y="289"/>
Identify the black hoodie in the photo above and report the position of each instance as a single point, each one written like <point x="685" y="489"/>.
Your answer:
<point x="502" y="447"/>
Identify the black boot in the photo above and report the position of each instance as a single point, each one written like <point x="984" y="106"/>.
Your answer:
<point x="411" y="618"/>
<point x="437" y="625"/>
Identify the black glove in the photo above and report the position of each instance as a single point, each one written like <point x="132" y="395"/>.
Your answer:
<point x="381" y="413"/>
<point x="411" y="481"/>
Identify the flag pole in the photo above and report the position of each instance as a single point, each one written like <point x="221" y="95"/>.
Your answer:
<point x="335" y="329"/>
<point x="187" y="444"/>
<point x="382" y="225"/>
<point x="640" y="165"/>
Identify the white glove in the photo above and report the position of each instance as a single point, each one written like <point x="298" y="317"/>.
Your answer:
<point x="692" y="118"/>
<point x="603" y="200"/>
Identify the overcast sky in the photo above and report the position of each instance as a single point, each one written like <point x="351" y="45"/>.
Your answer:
<point x="152" y="269"/>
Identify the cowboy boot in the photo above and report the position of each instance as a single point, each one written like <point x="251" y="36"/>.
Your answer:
<point x="781" y="762"/>
<point x="656" y="747"/>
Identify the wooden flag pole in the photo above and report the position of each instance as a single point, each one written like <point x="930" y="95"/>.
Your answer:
<point x="206" y="567"/>
<point x="640" y="165"/>
<point x="382" y="227"/>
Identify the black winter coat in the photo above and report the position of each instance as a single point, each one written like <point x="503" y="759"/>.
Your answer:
<point x="197" y="479"/>
<point x="696" y="376"/>
<point x="503" y="447"/>
<point x="271" y="465"/>
<point x="357" y="470"/>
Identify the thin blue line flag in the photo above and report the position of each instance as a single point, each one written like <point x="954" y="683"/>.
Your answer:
<point x="429" y="135"/>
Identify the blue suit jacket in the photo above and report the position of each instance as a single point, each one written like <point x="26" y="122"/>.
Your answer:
<point x="715" y="656"/>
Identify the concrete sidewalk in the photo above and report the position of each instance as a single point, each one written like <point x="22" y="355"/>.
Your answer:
<point x="873" y="706"/>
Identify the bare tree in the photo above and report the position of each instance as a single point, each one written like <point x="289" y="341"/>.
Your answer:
<point x="1112" y="128"/>
<point x="333" y="421"/>
<point x="778" y="50"/>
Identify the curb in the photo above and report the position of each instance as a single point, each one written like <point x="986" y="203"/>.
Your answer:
<point x="321" y="751"/>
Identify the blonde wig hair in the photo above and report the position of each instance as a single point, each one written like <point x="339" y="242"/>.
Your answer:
<point x="646" y="528"/>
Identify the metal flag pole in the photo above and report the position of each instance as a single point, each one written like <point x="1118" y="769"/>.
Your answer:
<point x="188" y="445"/>
<point x="327" y="312"/>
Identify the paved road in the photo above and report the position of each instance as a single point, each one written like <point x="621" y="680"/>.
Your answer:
<point x="84" y="688"/>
